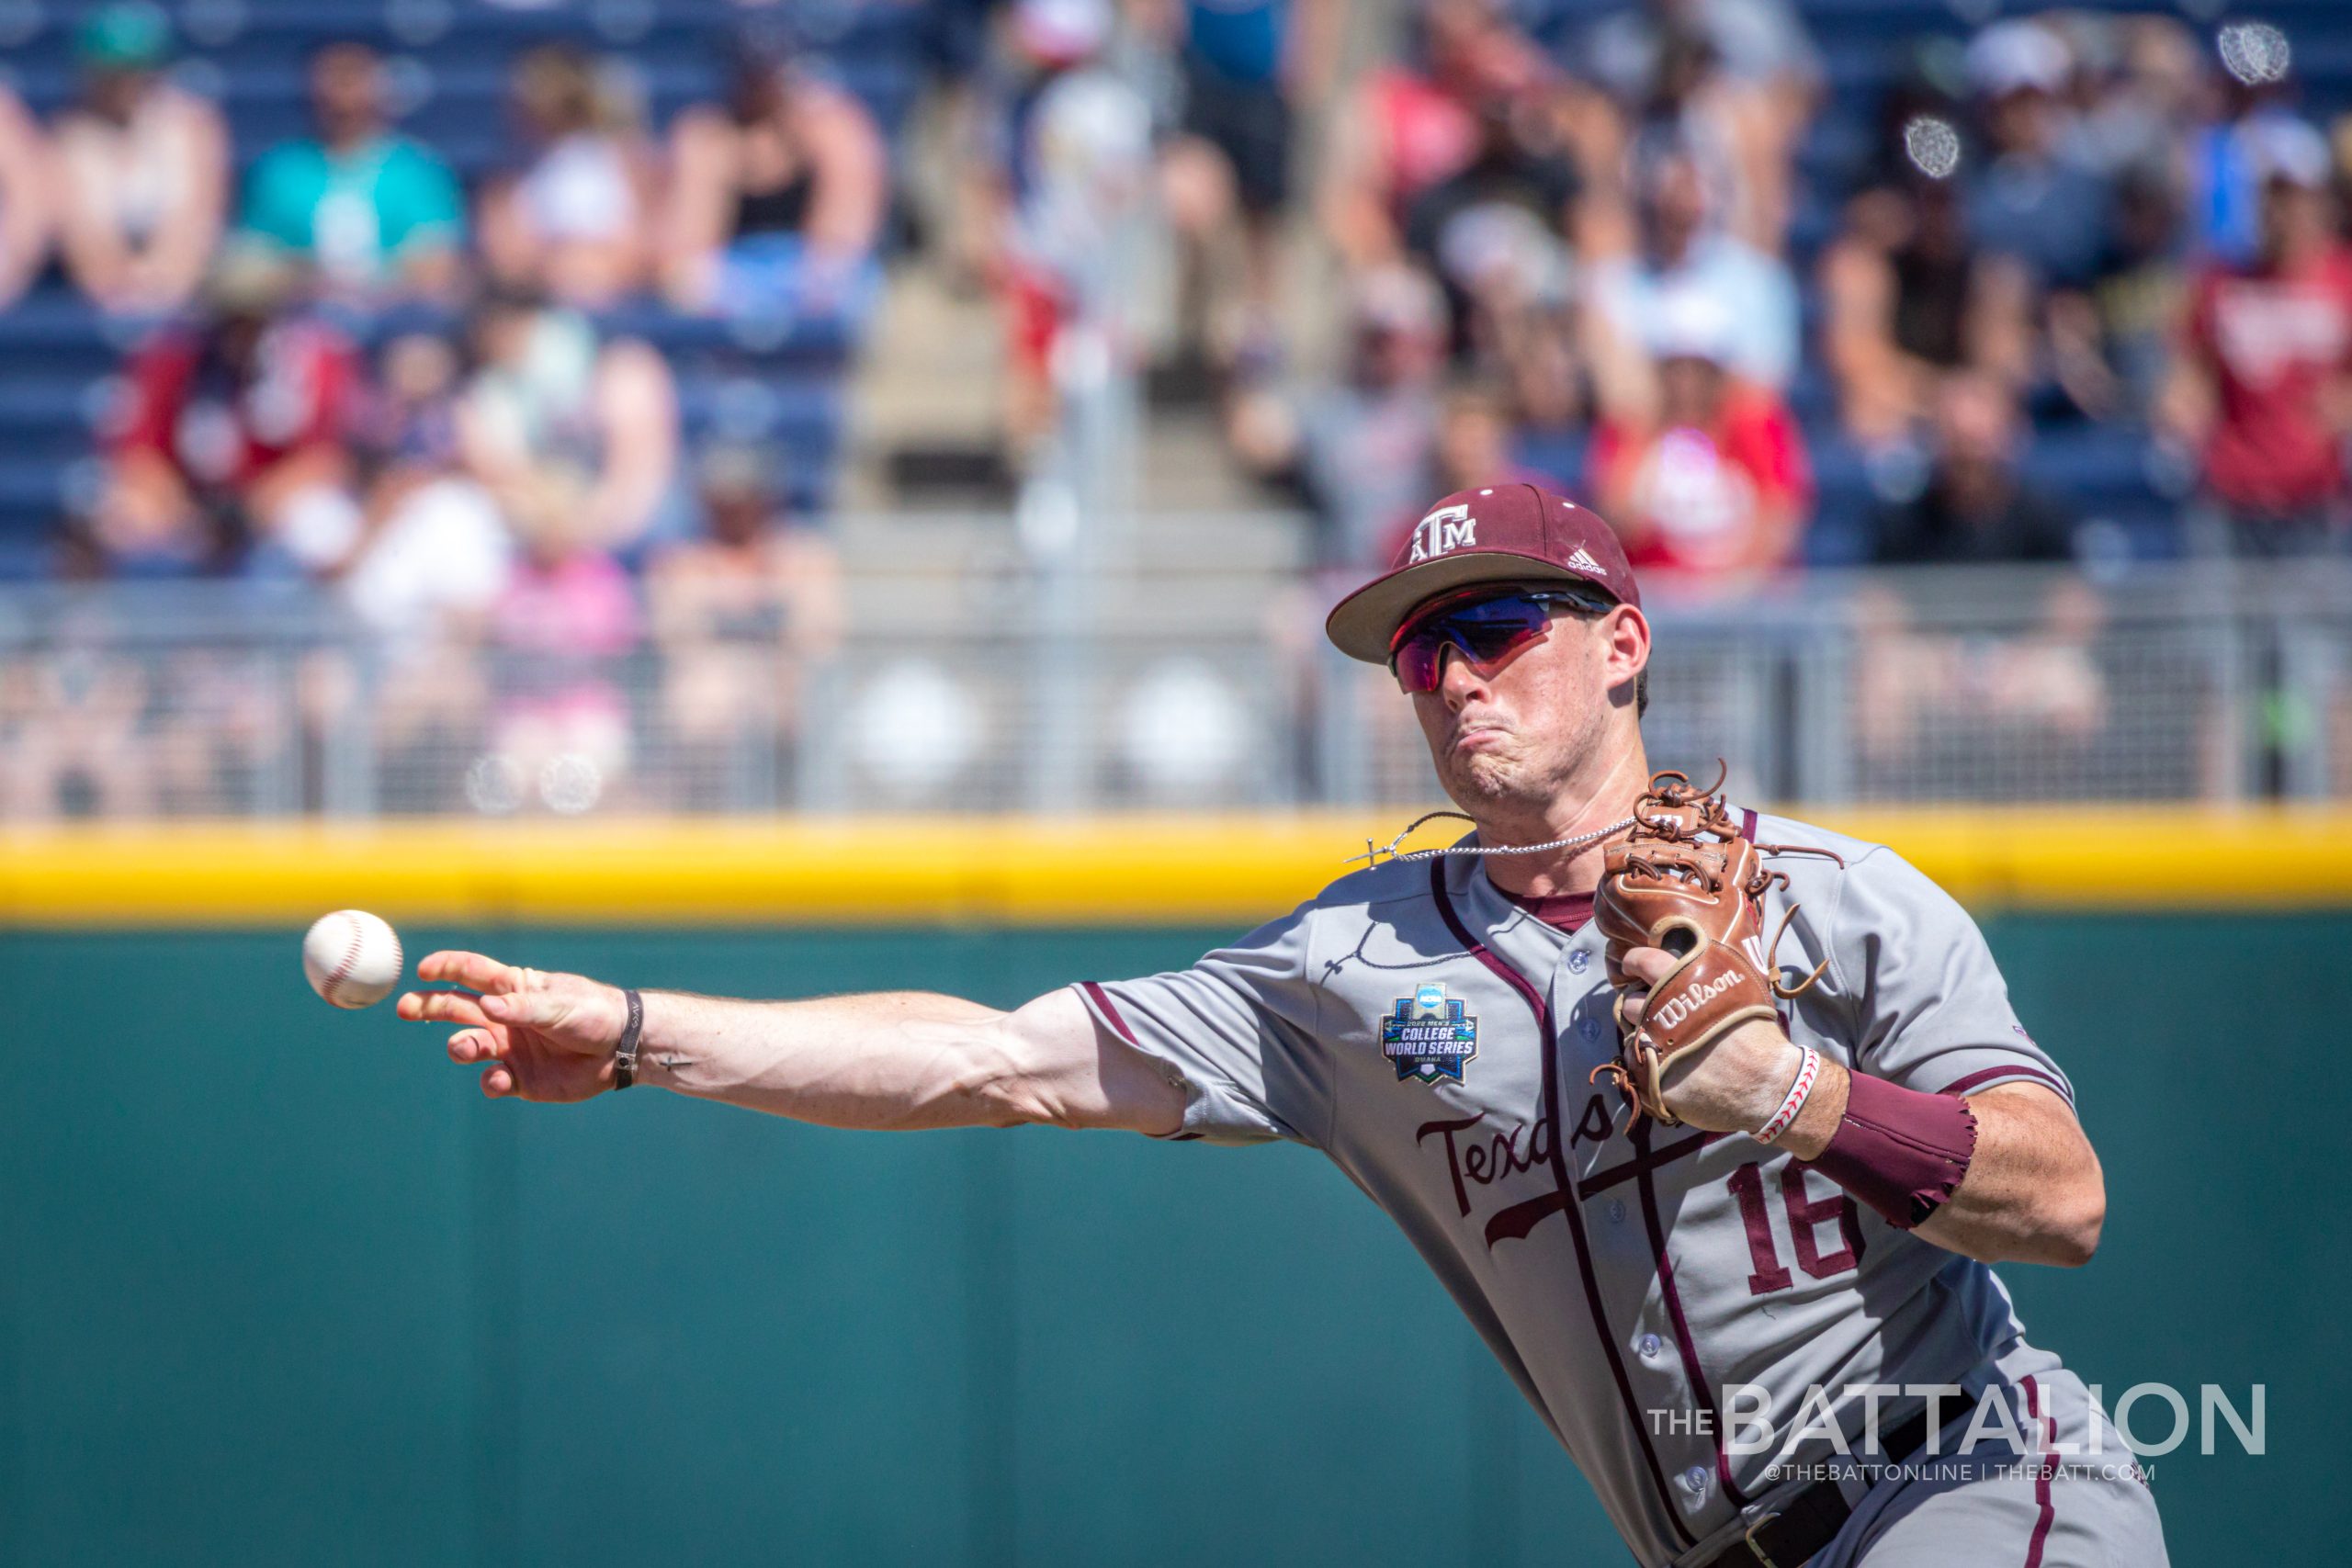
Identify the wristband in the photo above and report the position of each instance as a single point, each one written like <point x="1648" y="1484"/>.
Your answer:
<point x="625" y="1054"/>
<point x="1808" y="1074"/>
<point x="1902" y="1152"/>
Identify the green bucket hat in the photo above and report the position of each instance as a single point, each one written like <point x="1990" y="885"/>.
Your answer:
<point x="127" y="37"/>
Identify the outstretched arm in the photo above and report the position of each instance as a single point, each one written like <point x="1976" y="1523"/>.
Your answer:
<point x="896" y="1059"/>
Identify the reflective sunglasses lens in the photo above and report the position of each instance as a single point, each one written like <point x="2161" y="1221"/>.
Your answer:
<point x="1486" y="631"/>
<point x="1417" y="662"/>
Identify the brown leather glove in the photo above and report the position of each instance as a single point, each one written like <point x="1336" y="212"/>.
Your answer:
<point x="1685" y="881"/>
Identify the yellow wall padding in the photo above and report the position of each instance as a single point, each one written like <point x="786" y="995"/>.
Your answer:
<point x="1141" y="870"/>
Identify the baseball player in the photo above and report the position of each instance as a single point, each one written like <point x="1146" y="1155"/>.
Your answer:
<point x="1722" y="1206"/>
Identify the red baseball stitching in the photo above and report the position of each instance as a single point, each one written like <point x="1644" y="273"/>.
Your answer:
<point x="1793" y="1101"/>
<point x="341" y="971"/>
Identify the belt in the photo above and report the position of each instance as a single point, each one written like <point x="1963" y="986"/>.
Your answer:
<point x="1788" y="1536"/>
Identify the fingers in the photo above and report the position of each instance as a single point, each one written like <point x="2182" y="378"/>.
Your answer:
<point x="471" y="1045"/>
<point x="528" y="1009"/>
<point x="1642" y="967"/>
<point x="478" y="970"/>
<point x="1647" y="965"/>
<point x="441" y="1007"/>
<point x="497" y="1082"/>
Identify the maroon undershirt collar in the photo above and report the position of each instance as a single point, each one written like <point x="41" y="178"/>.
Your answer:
<point x="1563" y="911"/>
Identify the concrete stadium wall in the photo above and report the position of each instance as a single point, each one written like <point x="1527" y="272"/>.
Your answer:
<point x="281" y="1288"/>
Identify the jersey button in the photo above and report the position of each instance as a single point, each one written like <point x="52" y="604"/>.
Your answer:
<point x="1648" y="1347"/>
<point x="1616" y="1210"/>
<point x="1695" y="1478"/>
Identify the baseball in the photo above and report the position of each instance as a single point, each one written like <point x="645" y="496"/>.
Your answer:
<point x="352" y="958"/>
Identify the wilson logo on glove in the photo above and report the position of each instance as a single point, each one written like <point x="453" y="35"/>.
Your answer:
<point x="1683" y="1006"/>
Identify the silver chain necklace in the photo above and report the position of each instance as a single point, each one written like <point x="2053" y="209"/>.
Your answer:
<point x="1374" y="856"/>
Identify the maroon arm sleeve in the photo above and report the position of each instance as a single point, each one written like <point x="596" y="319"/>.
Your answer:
<point x="1902" y="1152"/>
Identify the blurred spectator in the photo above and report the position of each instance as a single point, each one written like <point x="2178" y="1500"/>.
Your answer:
<point x="1473" y="446"/>
<point x="777" y="199"/>
<point x="1685" y="251"/>
<point x="1408" y="130"/>
<point x="550" y="397"/>
<point x="1542" y="367"/>
<point x="2141" y="110"/>
<point x="1974" y="508"/>
<point x="1710" y="479"/>
<point x="412" y="422"/>
<point x="2263" y="384"/>
<point x="739" y="614"/>
<point x="1742" y="129"/>
<point x="2041" y="210"/>
<point x="1947" y="689"/>
<point x="1249" y="67"/>
<point x="1075" y="166"/>
<point x="2030" y="198"/>
<point x="378" y="214"/>
<point x="575" y="222"/>
<point x="559" y="636"/>
<point x="1360" y="451"/>
<point x="231" y="436"/>
<point x="2113" y="346"/>
<point x="25" y="215"/>
<point x="1905" y="297"/>
<point x="1758" y="43"/>
<point x="437" y="554"/>
<point x="1499" y="229"/>
<point x="143" y="170"/>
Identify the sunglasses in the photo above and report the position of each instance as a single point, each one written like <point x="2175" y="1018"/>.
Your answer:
<point x="1485" y="628"/>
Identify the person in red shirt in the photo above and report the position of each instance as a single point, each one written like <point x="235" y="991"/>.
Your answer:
<point x="1703" y="474"/>
<point x="232" y="432"/>
<point x="2262" y="386"/>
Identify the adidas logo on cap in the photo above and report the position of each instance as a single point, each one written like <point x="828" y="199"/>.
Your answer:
<point x="1582" y="560"/>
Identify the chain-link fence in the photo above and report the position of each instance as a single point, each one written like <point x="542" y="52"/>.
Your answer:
<point x="206" y="700"/>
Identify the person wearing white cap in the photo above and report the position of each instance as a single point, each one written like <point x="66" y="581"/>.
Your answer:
<point x="2264" y="377"/>
<point x="2028" y="199"/>
<point x="1704" y="472"/>
<point x="1686" y="245"/>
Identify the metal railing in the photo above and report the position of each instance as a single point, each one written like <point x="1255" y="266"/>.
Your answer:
<point x="2195" y="683"/>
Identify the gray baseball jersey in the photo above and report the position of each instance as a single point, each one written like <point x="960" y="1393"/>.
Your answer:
<point x="1434" y="1038"/>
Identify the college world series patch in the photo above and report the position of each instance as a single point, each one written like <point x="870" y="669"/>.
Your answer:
<point x="1429" y="1036"/>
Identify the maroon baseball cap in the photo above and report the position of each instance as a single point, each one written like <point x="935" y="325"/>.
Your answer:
<point x="1499" y="534"/>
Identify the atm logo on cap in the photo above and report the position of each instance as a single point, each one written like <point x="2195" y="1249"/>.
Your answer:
<point x="1447" y="528"/>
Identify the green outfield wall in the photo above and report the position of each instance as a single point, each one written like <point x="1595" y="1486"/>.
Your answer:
<point x="281" y="1288"/>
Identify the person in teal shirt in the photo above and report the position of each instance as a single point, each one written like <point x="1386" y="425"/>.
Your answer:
<point x="376" y="213"/>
